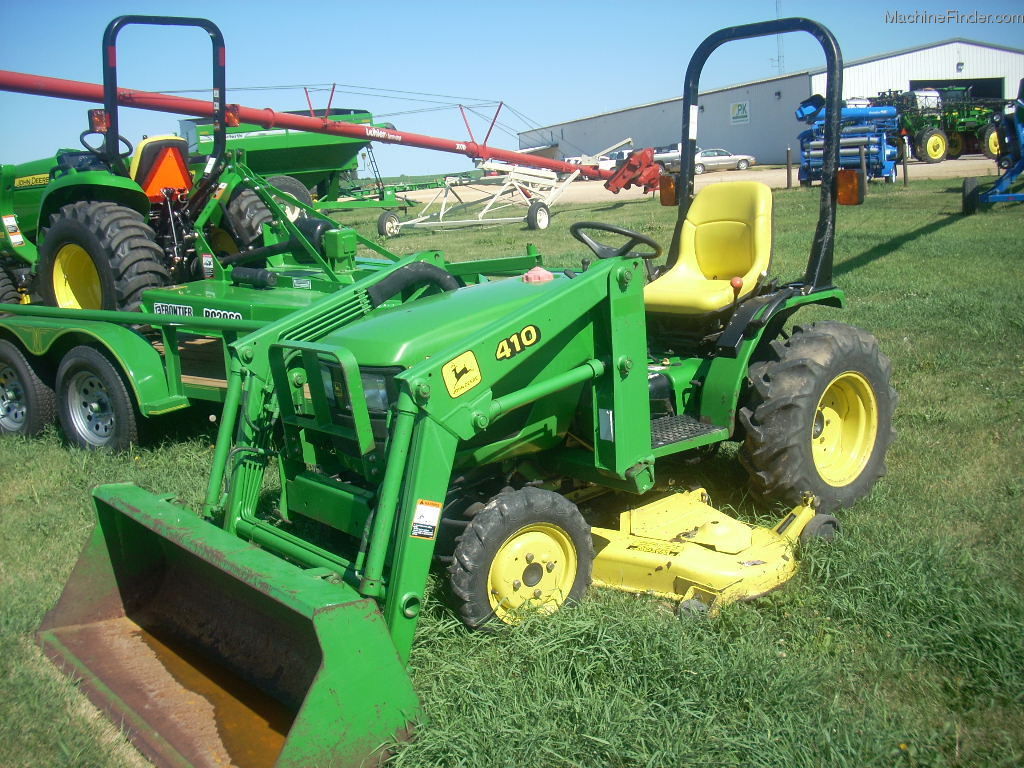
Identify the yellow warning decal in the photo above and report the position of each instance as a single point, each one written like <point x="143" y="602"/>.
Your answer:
<point x="426" y="519"/>
<point x="654" y="549"/>
<point x="461" y="374"/>
<point x="37" y="180"/>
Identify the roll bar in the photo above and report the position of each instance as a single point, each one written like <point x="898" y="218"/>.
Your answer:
<point x="819" y="265"/>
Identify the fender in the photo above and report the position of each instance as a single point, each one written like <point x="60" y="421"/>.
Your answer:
<point x="91" y="185"/>
<point x="138" y="360"/>
<point x="735" y="348"/>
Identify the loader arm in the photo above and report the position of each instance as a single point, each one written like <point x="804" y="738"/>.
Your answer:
<point x="385" y="494"/>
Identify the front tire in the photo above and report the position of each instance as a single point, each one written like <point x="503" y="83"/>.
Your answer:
<point x="525" y="548"/>
<point x="990" y="142"/>
<point x="99" y="256"/>
<point x="538" y="216"/>
<point x="699" y="169"/>
<point x="94" y="405"/>
<point x="742" y="165"/>
<point x="932" y="146"/>
<point x="819" y="417"/>
<point x="27" y="402"/>
<point x="388" y="224"/>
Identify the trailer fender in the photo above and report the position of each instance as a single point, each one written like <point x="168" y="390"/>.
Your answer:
<point x="141" y="364"/>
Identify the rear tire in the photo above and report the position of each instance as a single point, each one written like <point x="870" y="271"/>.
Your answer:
<point x="956" y="146"/>
<point x="99" y="256"/>
<point x="95" y="408"/>
<point x="529" y="547"/>
<point x="27" y="403"/>
<point x="819" y="417"/>
<point x="8" y="293"/>
<point x="699" y="168"/>
<point x="244" y="217"/>
<point x="538" y="216"/>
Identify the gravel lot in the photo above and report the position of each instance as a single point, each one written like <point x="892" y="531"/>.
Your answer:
<point x="594" y="191"/>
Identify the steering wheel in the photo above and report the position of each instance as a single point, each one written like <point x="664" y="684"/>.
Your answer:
<point x="603" y="251"/>
<point x="98" y="150"/>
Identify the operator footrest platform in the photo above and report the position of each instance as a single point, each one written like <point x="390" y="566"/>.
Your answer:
<point x="669" y="430"/>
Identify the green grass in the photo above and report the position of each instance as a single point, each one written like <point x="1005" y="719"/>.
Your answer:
<point x="899" y="644"/>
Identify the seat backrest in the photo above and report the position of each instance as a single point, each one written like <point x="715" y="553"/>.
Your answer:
<point x="727" y="233"/>
<point x="159" y="163"/>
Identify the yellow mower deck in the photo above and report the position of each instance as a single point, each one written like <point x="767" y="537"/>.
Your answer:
<point x="681" y="548"/>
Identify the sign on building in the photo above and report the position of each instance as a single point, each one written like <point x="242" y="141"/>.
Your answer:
<point x="739" y="113"/>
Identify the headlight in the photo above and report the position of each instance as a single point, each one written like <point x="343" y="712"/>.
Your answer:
<point x="375" y="390"/>
<point x="378" y="389"/>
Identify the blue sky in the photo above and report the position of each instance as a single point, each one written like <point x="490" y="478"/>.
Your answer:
<point x="551" y="61"/>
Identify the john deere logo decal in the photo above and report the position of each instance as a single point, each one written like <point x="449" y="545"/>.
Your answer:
<point x="38" y="180"/>
<point x="461" y="374"/>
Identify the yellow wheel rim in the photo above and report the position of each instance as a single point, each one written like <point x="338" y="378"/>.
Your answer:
<point x="845" y="429"/>
<point x="76" y="283"/>
<point x="993" y="143"/>
<point x="535" y="567"/>
<point x="222" y="243"/>
<point x="935" y="146"/>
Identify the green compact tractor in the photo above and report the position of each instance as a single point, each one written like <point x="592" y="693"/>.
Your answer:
<point x="510" y="433"/>
<point x="97" y="228"/>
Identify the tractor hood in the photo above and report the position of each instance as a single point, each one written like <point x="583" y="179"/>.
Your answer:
<point x="406" y="335"/>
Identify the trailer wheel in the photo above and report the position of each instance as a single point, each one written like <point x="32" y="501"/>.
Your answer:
<point x="525" y="548"/>
<point x="94" y="405"/>
<point x="538" y="216"/>
<point x="990" y="146"/>
<point x="8" y="293"/>
<point x="388" y="224"/>
<point x="296" y="189"/>
<point x="956" y="146"/>
<point x="99" y="256"/>
<point x="932" y="145"/>
<point x="970" y="198"/>
<point x="818" y="417"/>
<point x="27" y="402"/>
<point x="245" y="214"/>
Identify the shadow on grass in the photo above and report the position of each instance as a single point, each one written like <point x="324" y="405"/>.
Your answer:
<point x="891" y="246"/>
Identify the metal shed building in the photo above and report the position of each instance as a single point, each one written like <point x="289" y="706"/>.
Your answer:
<point x="757" y="117"/>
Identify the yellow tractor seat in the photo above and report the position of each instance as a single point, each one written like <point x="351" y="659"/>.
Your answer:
<point x="159" y="163"/>
<point x="727" y="234"/>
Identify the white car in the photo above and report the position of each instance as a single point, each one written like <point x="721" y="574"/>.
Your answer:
<point x="721" y="159"/>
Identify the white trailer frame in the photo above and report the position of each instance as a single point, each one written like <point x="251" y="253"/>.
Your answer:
<point x="534" y="189"/>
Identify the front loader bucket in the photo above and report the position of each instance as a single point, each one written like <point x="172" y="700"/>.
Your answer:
<point x="212" y="652"/>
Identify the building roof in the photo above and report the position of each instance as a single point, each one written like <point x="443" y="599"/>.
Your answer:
<point x="924" y="47"/>
<point x="818" y="71"/>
